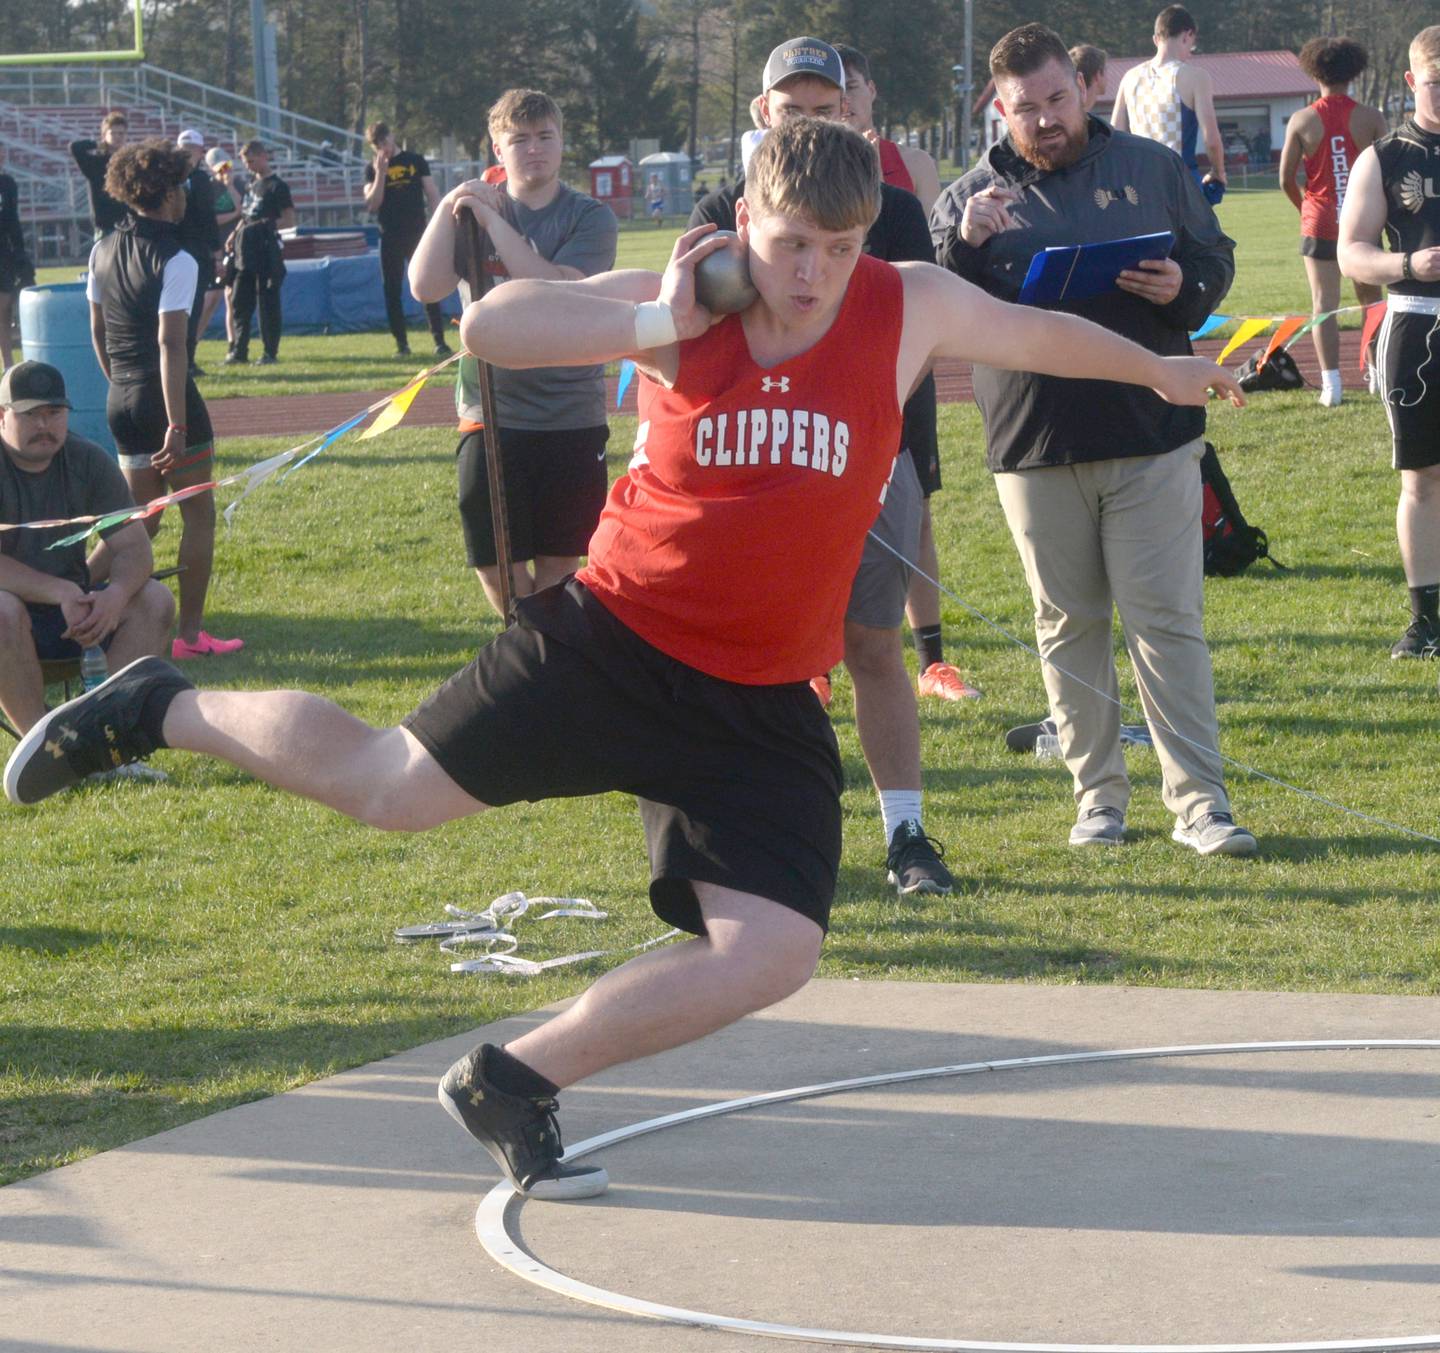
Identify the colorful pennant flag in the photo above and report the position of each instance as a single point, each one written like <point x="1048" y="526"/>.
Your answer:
<point x="329" y="439"/>
<point x="395" y="410"/>
<point x="1288" y="327"/>
<point x="1210" y="325"/>
<point x="1247" y="330"/>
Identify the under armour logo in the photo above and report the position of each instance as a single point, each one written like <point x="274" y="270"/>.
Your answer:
<point x="56" y="748"/>
<point x="780" y="383"/>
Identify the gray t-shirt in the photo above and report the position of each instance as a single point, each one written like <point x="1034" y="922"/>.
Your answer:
<point x="574" y="231"/>
<point x="81" y="481"/>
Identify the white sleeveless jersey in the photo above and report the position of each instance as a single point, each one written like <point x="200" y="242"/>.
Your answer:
<point x="1155" y="105"/>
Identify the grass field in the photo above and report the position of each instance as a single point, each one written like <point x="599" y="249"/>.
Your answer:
<point x="167" y="951"/>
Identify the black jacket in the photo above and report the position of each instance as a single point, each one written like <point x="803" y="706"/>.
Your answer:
<point x="92" y="163"/>
<point x="1121" y="185"/>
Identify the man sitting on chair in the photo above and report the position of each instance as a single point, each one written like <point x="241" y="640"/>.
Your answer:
<point x="47" y="611"/>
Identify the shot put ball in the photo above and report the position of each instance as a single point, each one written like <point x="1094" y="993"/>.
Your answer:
<point x="722" y="279"/>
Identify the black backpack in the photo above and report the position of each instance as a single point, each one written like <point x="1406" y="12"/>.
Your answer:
<point x="1231" y="543"/>
<point x="1279" y="373"/>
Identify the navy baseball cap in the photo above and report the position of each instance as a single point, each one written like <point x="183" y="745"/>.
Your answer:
<point x="33" y="385"/>
<point x="803" y="56"/>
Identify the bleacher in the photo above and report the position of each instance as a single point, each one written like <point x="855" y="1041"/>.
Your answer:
<point x="44" y="108"/>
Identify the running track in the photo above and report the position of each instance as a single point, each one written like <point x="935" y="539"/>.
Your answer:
<point x="302" y="415"/>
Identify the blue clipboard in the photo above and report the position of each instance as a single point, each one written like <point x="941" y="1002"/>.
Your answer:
<point x="1075" y="272"/>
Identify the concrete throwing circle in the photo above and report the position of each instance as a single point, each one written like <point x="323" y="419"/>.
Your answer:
<point x="502" y="1203"/>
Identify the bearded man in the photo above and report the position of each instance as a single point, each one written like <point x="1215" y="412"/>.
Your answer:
<point x="1100" y="482"/>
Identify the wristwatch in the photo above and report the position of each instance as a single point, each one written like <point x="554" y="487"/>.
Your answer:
<point x="1407" y="273"/>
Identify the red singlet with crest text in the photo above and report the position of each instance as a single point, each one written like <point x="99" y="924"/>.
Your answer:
<point x="732" y="541"/>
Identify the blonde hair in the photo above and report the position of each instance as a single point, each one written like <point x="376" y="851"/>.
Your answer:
<point x="816" y="169"/>
<point x="1425" y="48"/>
<point x="517" y="108"/>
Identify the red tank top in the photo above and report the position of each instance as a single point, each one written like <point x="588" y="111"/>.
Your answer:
<point x="1327" y="171"/>
<point x="732" y="541"/>
<point x="892" y="166"/>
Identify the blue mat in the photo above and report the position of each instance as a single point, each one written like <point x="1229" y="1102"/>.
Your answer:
<point x="335" y="296"/>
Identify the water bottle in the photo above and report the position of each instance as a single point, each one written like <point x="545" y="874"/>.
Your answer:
<point x="92" y="667"/>
<point x="1047" y="746"/>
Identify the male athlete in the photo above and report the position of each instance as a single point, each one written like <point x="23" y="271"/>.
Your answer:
<point x="141" y="286"/>
<point x="805" y="77"/>
<point x="1327" y="138"/>
<point x="1167" y="99"/>
<point x="1395" y="190"/>
<point x="675" y="666"/>
<point x="910" y="168"/>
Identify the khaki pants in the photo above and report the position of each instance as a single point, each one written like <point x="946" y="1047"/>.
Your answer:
<point x="1122" y="534"/>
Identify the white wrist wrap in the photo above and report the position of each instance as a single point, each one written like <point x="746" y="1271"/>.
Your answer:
<point x="654" y="325"/>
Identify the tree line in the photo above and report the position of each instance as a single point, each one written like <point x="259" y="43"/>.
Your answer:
<point x="675" y="71"/>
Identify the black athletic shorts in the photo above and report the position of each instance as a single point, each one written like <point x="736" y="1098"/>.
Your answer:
<point x="1408" y="355"/>
<point x="47" y="625"/>
<point x="738" y="785"/>
<point x="555" y="484"/>
<point x="136" y="413"/>
<point x="922" y="436"/>
<point x="1324" y="250"/>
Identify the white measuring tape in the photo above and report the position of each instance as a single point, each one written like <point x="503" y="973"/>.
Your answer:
<point x="491" y="928"/>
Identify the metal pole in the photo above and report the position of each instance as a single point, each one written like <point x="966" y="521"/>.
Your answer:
<point x="494" y="471"/>
<point x="967" y="91"/>
<point x="267" y="76"/>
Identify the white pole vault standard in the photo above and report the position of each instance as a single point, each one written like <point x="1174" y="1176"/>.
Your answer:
<point x="502" y="1205"/>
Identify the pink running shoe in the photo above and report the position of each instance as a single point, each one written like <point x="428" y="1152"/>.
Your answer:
<point x="205" y="646"/>
<point x="944" y="682"/>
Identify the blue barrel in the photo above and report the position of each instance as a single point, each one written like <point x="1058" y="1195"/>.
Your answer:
<point x="55" y="328"/>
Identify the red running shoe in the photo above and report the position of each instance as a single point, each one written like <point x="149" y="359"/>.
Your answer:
<point x="944" y="682"/>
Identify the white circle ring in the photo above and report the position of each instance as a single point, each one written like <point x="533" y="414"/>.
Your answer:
<point x="502" y="1203"/>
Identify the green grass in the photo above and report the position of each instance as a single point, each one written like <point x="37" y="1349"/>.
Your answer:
<point x="168" y="951"/>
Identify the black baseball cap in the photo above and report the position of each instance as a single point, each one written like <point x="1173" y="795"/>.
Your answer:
<point x="803" y="56"/>
<point x="33" y="385"/>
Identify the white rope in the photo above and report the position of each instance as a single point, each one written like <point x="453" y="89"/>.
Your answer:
<point x="1105" y="695"/>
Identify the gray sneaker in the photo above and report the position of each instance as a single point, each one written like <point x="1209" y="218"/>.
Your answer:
<point x="1215" y="834"/>
<point x="1098" y="827"/>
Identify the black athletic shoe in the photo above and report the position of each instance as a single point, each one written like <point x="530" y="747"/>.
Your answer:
<point x="443" y="349"/>
<point x="402" y="352"/>
<point x="96" y="731"/>
<point x="236" y="359"/>
<point x="269" y="359"/>
<point x="914" y="864"/>
<point x="520" y="1133"/>
<point x="1421" y="640"/>
<point x="1024" y="737"/>
<point x="196" y="371"/>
